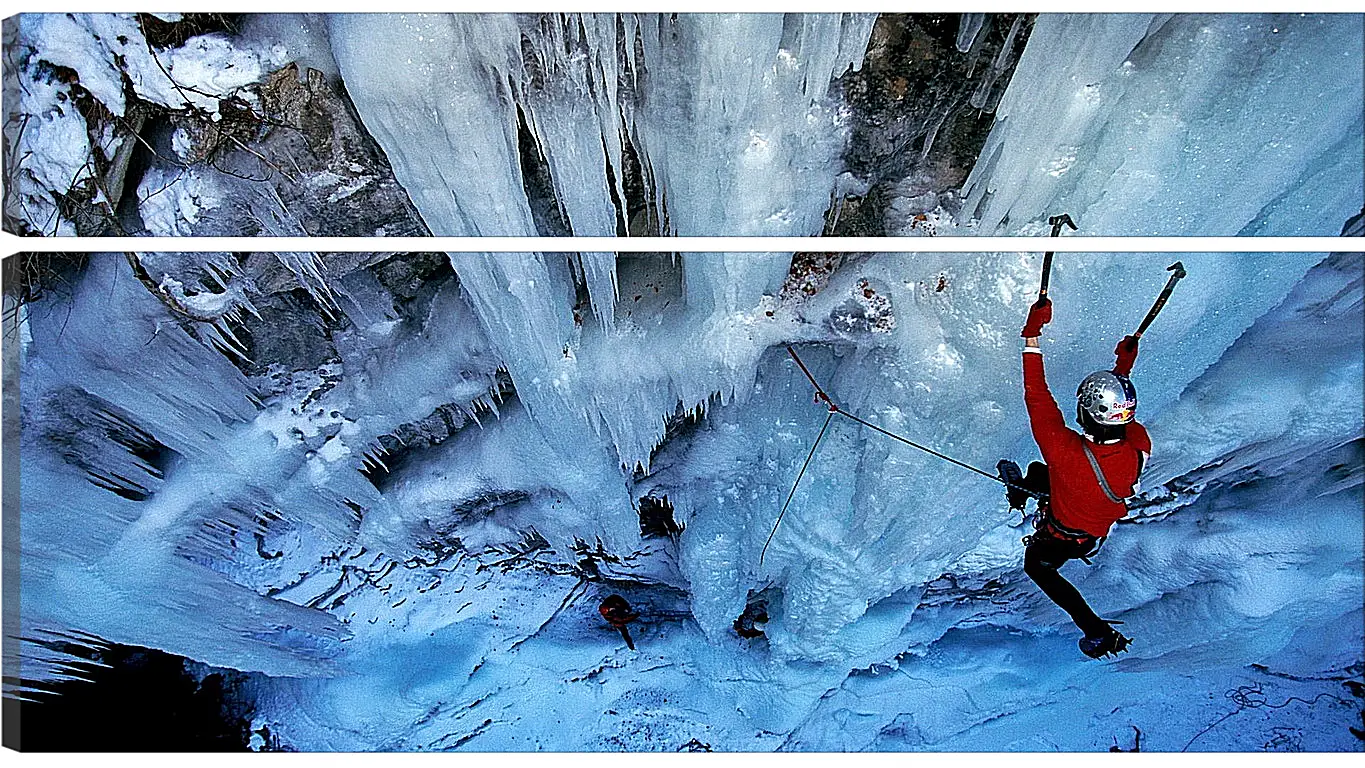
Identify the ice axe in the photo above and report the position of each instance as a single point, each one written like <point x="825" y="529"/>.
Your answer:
<point x="1056" y="222"/>
<point x="1179" y="272"/>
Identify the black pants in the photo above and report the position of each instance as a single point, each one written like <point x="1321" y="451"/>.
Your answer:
<point x="1042" y="558"/>
<point x="1046" y="554"/>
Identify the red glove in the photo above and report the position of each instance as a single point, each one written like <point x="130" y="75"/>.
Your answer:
<point x="1126" y="352"/>
<point x="1039" y="315"/>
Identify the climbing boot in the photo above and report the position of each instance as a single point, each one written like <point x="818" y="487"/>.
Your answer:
<point x="1108" y="643"/>
<point x="1014" y="491"/>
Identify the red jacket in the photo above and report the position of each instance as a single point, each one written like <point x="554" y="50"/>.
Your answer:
<point x="1075" y="495"/>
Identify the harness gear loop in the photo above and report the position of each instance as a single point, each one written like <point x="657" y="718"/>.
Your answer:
<point x="1046" y="525"/>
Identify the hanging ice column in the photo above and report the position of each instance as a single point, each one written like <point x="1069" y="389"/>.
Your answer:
<point x="434" y="91"/>
<point x="690" y="330"/>
<point x="1178" y="125"/>
<point x="727" y="115"/>
<point x="744" y="146"/>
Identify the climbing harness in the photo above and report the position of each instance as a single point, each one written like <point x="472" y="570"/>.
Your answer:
<point x="1044" y="524"/>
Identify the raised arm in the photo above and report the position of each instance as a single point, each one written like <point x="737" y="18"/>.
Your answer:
<point x="1044" y="416"/>
<point x="1049" y="426"/>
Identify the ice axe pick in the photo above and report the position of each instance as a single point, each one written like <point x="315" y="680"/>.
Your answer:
<point x="1178" y="271"/>
<point x="1057" y="222"/>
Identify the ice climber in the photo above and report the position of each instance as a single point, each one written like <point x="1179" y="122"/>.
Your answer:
<point x="1086" y="476"/>
<point x="617" y="612"/>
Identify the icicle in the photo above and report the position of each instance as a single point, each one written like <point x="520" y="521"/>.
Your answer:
<point x="599" y="273"/>
<point x="379" y="461"/>
<point x="1006" y="53"/>
<point x="471" y="414"/>
<point x="221" y="337"/>
<point x="307" y="268"/>
<point x="998" y="66"/>
<point x="968" y="27"/>
<point x="464" y="183"/>
<point x="855" y="33"/>
<point x="580" y="121"/>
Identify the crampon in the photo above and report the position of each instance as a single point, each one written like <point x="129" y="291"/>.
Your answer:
<point x="1111" y="643"/>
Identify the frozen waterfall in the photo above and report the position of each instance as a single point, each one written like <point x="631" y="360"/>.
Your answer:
<point x="390" y="490"/>
<point x="724" y="114"/>
<point x="688" y="124"/>
<point x="468" y="465"/>
<point x="1155" y="124"/>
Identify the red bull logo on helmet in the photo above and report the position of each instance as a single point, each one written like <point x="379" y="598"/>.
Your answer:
<point x="1121" y="413"/>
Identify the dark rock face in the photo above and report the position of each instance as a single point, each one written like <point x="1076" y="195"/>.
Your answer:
<point x="406" y="274"/>
<point x="294" y="332"/>
<point x="412" y="438"/>
<point x="330" y="175"/>
<point x="547" y="212"/>
<point x="921" y="111"/>
<point x="133" y="700"/>
<point x="301" y="165"/>
<point x="290" y="333"/>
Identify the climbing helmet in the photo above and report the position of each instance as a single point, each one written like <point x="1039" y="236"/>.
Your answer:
<point x="1107" y="397"/>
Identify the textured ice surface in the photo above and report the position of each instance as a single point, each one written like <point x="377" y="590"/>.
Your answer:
<point x="1304" y="408"/>
<point x="300" y="38"/>
<point x="121" y="568"/>
<point x="1134" y="123"/>
<point x="1142" y="124"/>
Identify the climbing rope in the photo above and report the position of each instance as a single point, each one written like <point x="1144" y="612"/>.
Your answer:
<point x="933" y="452"/>
<point x="1252" y="697"/>
<point x="799" y="475"/>
<point x="822" y="396"/>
